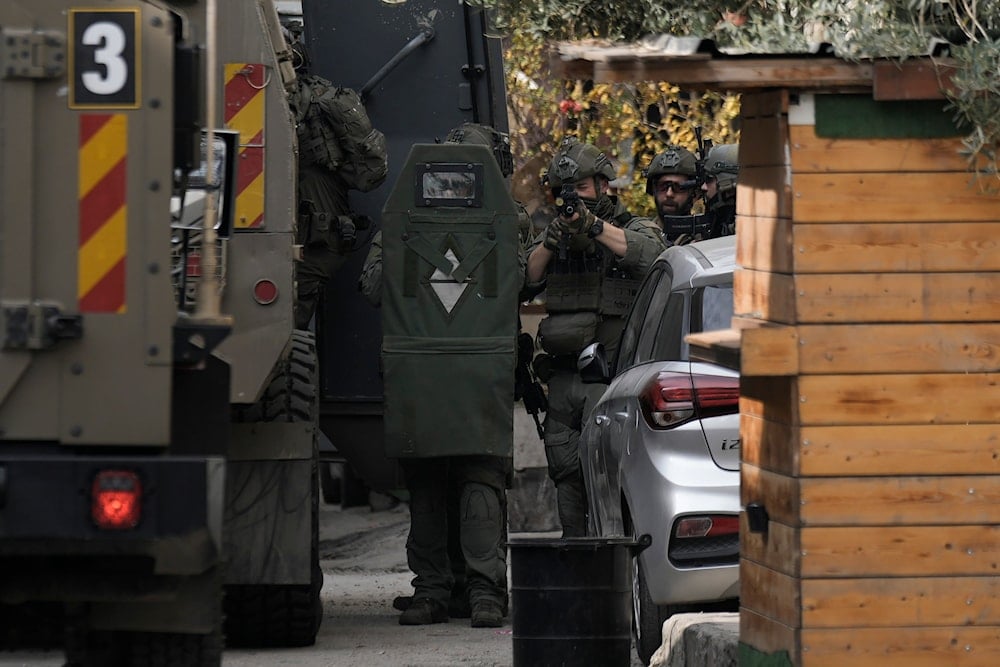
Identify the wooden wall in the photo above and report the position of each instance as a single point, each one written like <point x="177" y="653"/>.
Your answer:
<point x="869" y="298"/>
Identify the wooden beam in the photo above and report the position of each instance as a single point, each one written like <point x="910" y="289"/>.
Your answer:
<point x="733" y="74"/>
<point x="717" y="347"/>
<point x="912" y="80"/>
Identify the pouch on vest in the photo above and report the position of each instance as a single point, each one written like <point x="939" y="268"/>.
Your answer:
<point x="567" y="333"/>
<point x="572" y="292"/>
<point x="449" y="305"/>
<point x="617" y="295"/>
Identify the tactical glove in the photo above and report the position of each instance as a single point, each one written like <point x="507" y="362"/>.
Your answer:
<point x="554" y="234"/>
<point x="581" y="243"/>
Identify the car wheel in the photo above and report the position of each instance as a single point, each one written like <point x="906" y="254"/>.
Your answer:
<point x="647" y="617"/>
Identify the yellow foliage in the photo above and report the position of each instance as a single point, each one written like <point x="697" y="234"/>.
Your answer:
<point x="631" y="122"/>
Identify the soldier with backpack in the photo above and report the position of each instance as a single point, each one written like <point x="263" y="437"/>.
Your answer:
<point x="339" y="151"/>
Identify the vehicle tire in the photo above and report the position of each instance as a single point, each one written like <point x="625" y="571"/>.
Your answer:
<point x="647" y="616"/>
<point x="271" y="615"/>
<point x="329" y="483"/>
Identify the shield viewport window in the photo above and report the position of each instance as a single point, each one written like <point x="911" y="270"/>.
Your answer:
<point x="445" y="184"/>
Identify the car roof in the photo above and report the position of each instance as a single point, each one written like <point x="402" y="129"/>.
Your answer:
<point x="702" y="263"/>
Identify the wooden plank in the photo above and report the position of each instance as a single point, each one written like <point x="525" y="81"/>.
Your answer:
<point x="881" y="297"/>
<point x="899" y="551"/>
<point x="900" y="602"/>
<point x="763" y="141"/>
<point x="912" y="80"/>
<point x="910" y="647"/>
<point x="765" y="296"/>
<point x="938" y="499"/>
<point x="737" y="75"/>
<point x="716" y="347"/>
<point x="945" y="449"/>
<point x="779" y="494"/>
<point x="771" y="445"/>
<point x="769" y="351"/>
<point x="765" y="192"/>
<point x="890" y="197"/>
<point x="774" y="398"/>
<point x="911" y="247"/>
<point x="764" y="103"/>
<point x="777" y="549"/>
<point x="899" y="399"/>
<point x="888" y="348"/>
<point x="769" y="593"/>
<point x="767" y="635"/>
<point x="765" y="244"/>
<point x="812" y="154"/>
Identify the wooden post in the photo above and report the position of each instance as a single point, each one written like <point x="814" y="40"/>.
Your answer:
<point x="869" y="305"/>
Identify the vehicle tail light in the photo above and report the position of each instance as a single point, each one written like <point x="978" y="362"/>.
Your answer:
<point x="707" y="526"/>
<point x="116" y="500"/>
<point x="670" y="399"/>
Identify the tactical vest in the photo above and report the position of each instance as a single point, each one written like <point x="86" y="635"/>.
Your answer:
<point x="591" y="282"/>
<point x="449" y="305"/>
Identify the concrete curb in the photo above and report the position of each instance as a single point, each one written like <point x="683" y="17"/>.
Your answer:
<point x="696" y="640"/>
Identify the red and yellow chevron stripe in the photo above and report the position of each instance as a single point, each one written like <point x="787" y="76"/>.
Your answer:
<point x="103" y="213"/>
<point x="244" y="112"/>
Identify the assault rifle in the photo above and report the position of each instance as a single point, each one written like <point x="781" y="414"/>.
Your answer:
<point x="567" y="203"/>
<point x="526" y="386"/>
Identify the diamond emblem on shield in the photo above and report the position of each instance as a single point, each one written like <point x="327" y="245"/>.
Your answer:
<point x="447" y="289"/>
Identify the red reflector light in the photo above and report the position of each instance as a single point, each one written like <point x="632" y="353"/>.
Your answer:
<point x="116" y="500"/>
<point x="672" y="398"/>
<point x="265" y="292"/>
<point x="193" y="265"/>
<point x="707" y="526"/>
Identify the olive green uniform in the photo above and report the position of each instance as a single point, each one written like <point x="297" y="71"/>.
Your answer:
<point x="569" y="399"/>
<point x="323" y="251"/>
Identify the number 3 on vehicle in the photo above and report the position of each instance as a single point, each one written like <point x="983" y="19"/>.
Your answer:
<point x="104" y="59"/>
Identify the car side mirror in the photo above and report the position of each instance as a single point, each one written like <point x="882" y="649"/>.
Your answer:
<point x="593" y="365"/>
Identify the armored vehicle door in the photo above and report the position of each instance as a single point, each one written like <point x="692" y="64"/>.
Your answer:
<point x="449" y="304"/>
<point x="423" y="67"/>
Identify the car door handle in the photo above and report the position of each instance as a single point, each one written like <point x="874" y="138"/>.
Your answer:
<point x="621" y="416"/>
<point x="601" y="420"/>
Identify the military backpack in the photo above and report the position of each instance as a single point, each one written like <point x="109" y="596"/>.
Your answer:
<point x="334" y="131"/>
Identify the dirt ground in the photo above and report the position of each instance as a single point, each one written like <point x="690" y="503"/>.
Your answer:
<point x="364" y="566"/>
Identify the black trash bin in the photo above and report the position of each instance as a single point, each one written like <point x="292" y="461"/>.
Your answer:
<point x="571" y="600"/>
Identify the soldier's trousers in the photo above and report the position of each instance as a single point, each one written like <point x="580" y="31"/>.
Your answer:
<point x="570" y="402"/>
<point x="480" y="484"/>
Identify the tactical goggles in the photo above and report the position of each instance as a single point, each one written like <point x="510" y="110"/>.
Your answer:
<point x="676" y="186"/>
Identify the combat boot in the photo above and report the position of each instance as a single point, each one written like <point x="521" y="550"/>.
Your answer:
<point x="486" y="614"/>
<point x="458" y="605"/>
<point x="424" y="611"/>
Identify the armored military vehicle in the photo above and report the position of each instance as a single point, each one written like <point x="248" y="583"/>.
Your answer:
<point x="158" y="413"/>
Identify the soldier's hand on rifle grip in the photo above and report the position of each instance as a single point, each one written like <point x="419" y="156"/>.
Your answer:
<point x="553" y="235"/>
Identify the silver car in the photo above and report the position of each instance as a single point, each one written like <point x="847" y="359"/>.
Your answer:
<point x="661" y="450"/>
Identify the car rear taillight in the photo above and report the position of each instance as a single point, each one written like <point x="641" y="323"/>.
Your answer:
<point x="672" y="398"/>
<point x="116" y="500"/>
<point x="707" y="526"/>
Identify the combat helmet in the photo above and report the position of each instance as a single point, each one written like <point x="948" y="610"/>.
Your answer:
<point x="576" y="160"/>
<point x="498" y="142"/>
<point x="723" y="163"/>
<point x="673" y="160"/>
